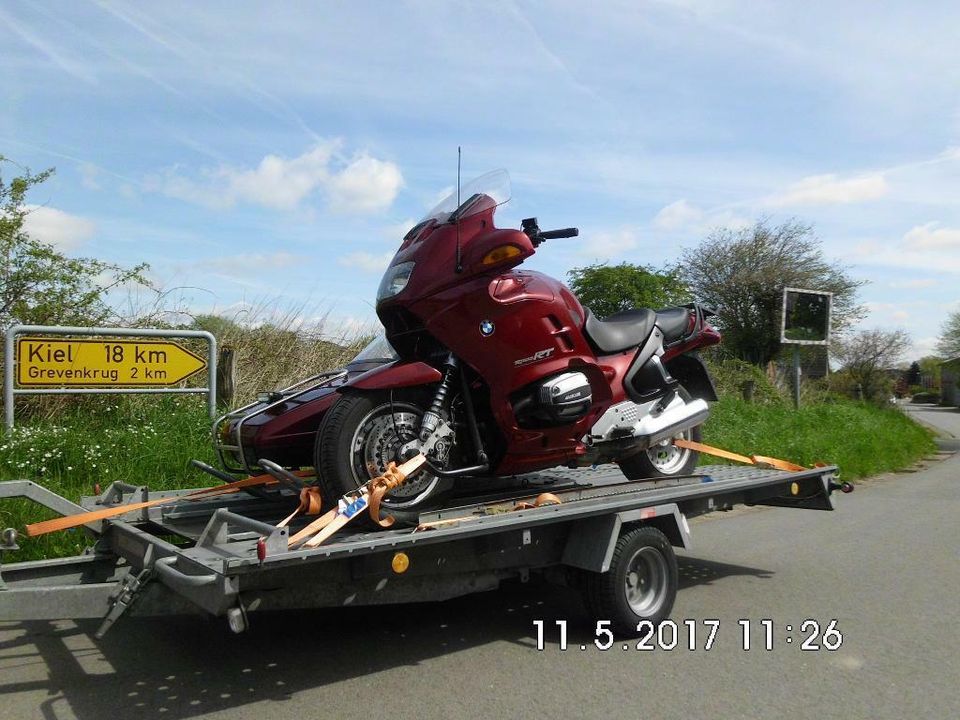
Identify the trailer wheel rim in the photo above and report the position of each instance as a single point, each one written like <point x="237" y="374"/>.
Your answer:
<point x="645" y="582"/>
<point x="375" y="443"/>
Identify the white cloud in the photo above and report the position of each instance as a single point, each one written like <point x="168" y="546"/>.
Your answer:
<point x="932" y="237"/>
<point x="677" y="215"/>
<point x="362" y="185"/>
<point x="368" y="262"/>
<point x="609" y="245"/>
<point x="365" y="185"/>
<point x="56" y="227"/>
<point x="280" y="183"/>
<point x="831" y="190"/>
<point x="914" y="284"/>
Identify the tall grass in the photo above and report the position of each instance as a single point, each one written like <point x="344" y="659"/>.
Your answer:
<point x="275" y="348"/>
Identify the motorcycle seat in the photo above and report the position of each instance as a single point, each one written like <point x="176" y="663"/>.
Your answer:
<point x="620" y="331"/>
<point x="673" y="322"/>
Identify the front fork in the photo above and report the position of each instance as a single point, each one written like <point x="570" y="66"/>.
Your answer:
<point x="432" y="418"/>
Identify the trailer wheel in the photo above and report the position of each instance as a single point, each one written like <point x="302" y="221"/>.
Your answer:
<point x="664" y="459"/>
<point x="640" y="585"/>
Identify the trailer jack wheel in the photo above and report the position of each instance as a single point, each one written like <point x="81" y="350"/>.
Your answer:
<point x="641" y="583"/>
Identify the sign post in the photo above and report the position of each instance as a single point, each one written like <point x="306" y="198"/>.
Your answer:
<point x="43" y="362"/>
<point x="805" y="321"/>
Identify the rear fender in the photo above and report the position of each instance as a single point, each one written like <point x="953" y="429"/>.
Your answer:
<point x="399" y="374"/>
<point x="690" y="371"/>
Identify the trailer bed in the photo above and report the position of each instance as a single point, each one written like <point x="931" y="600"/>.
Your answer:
<point x="203" y="555"/>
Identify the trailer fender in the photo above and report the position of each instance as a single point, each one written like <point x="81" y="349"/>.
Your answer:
<point x="398" y="374"/>
<point x="591" y="542"/>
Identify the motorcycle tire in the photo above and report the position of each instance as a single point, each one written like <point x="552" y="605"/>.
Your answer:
<point x="664" y="459"/>
<point x="359" y="437"/>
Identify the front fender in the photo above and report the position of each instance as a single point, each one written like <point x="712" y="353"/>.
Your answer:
<point x="398" y="374"/>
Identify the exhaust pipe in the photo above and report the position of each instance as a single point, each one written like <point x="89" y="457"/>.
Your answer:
<point x="652" y="429"/>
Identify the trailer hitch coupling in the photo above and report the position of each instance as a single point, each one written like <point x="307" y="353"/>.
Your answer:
<point x="843" y="487"/>
<point x="8" y="542"/>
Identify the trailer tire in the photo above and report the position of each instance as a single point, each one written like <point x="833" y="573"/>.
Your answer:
<point x="641" y="583"/>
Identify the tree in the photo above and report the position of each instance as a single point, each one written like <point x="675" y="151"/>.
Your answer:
<point x="912" y="376"/>
<point x="38" y="284"/>
<point x="607" y="289"/>
<point x="948" y="344"/>
<point x="868" y="355"/>
<point x="742" y="273"/>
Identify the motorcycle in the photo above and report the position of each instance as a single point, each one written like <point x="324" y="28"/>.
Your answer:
<point x="501" y="371"/>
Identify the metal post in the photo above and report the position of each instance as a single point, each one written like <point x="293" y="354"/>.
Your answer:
<point x="8" y="379"/>
<point x="796" y="378"/>
<point x="211" y="374"/>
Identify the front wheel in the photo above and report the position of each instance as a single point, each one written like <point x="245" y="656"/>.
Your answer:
<point x="664" y="459"/>
<point x="360" y="435"/>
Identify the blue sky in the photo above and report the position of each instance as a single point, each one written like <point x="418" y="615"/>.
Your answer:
<point x="259" y="153"/>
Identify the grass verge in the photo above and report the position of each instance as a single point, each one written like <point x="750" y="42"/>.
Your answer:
<point x="136" y="440"/>
<point x="150" y="442"/>
<point x="861" y="439"/>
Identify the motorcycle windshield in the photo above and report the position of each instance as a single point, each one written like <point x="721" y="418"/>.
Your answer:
<point x="478" y="195"/>
<point x="377" y="349"/>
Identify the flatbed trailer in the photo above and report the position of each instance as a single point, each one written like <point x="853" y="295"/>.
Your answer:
<point x="226" y="556"/>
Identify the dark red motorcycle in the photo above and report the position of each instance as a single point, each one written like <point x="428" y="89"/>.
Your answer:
<point x="501" y="371"/>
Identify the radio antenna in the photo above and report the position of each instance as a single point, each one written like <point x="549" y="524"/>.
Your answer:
<point x="459" y="267"/>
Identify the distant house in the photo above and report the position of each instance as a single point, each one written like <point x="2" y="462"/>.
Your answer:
<point x="949" y="379"/>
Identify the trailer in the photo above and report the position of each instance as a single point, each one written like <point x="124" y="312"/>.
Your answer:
<point x="227" y="556"/>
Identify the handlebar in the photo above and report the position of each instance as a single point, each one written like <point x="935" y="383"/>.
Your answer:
<point x="563" y="233"/>
<point x="530" y="227"/>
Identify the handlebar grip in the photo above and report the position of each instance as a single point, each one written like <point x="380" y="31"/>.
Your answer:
<point x="564" y="233"/>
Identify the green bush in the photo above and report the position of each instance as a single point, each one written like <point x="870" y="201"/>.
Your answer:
<point x="729" y="375"/>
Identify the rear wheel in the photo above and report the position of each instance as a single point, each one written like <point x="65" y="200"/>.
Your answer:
<point x="664" y="459"/>
<point x="361" y="434"/>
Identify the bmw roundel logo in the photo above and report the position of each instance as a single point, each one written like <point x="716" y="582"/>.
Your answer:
<point x="487" y="328"/>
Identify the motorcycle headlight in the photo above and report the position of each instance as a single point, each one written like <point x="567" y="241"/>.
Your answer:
<point x="394" y="280"/>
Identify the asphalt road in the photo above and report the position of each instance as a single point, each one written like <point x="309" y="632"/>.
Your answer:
<point x="884" y="566"/>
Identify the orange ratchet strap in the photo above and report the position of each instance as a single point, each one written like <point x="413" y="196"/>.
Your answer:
<point x="310" y="504"/>
<point x="541" y="500"/>
<point x="758" y="460"/>
<point x="63" y="523"/>
<point x="373" y="491"/>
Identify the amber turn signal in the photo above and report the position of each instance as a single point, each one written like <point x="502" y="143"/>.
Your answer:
<point x="499" y="254"/>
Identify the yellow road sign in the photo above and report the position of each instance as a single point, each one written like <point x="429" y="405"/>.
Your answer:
<point x="103" y="363"/>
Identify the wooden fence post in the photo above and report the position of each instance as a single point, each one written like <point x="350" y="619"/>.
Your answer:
<point x="226" y="376"/>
